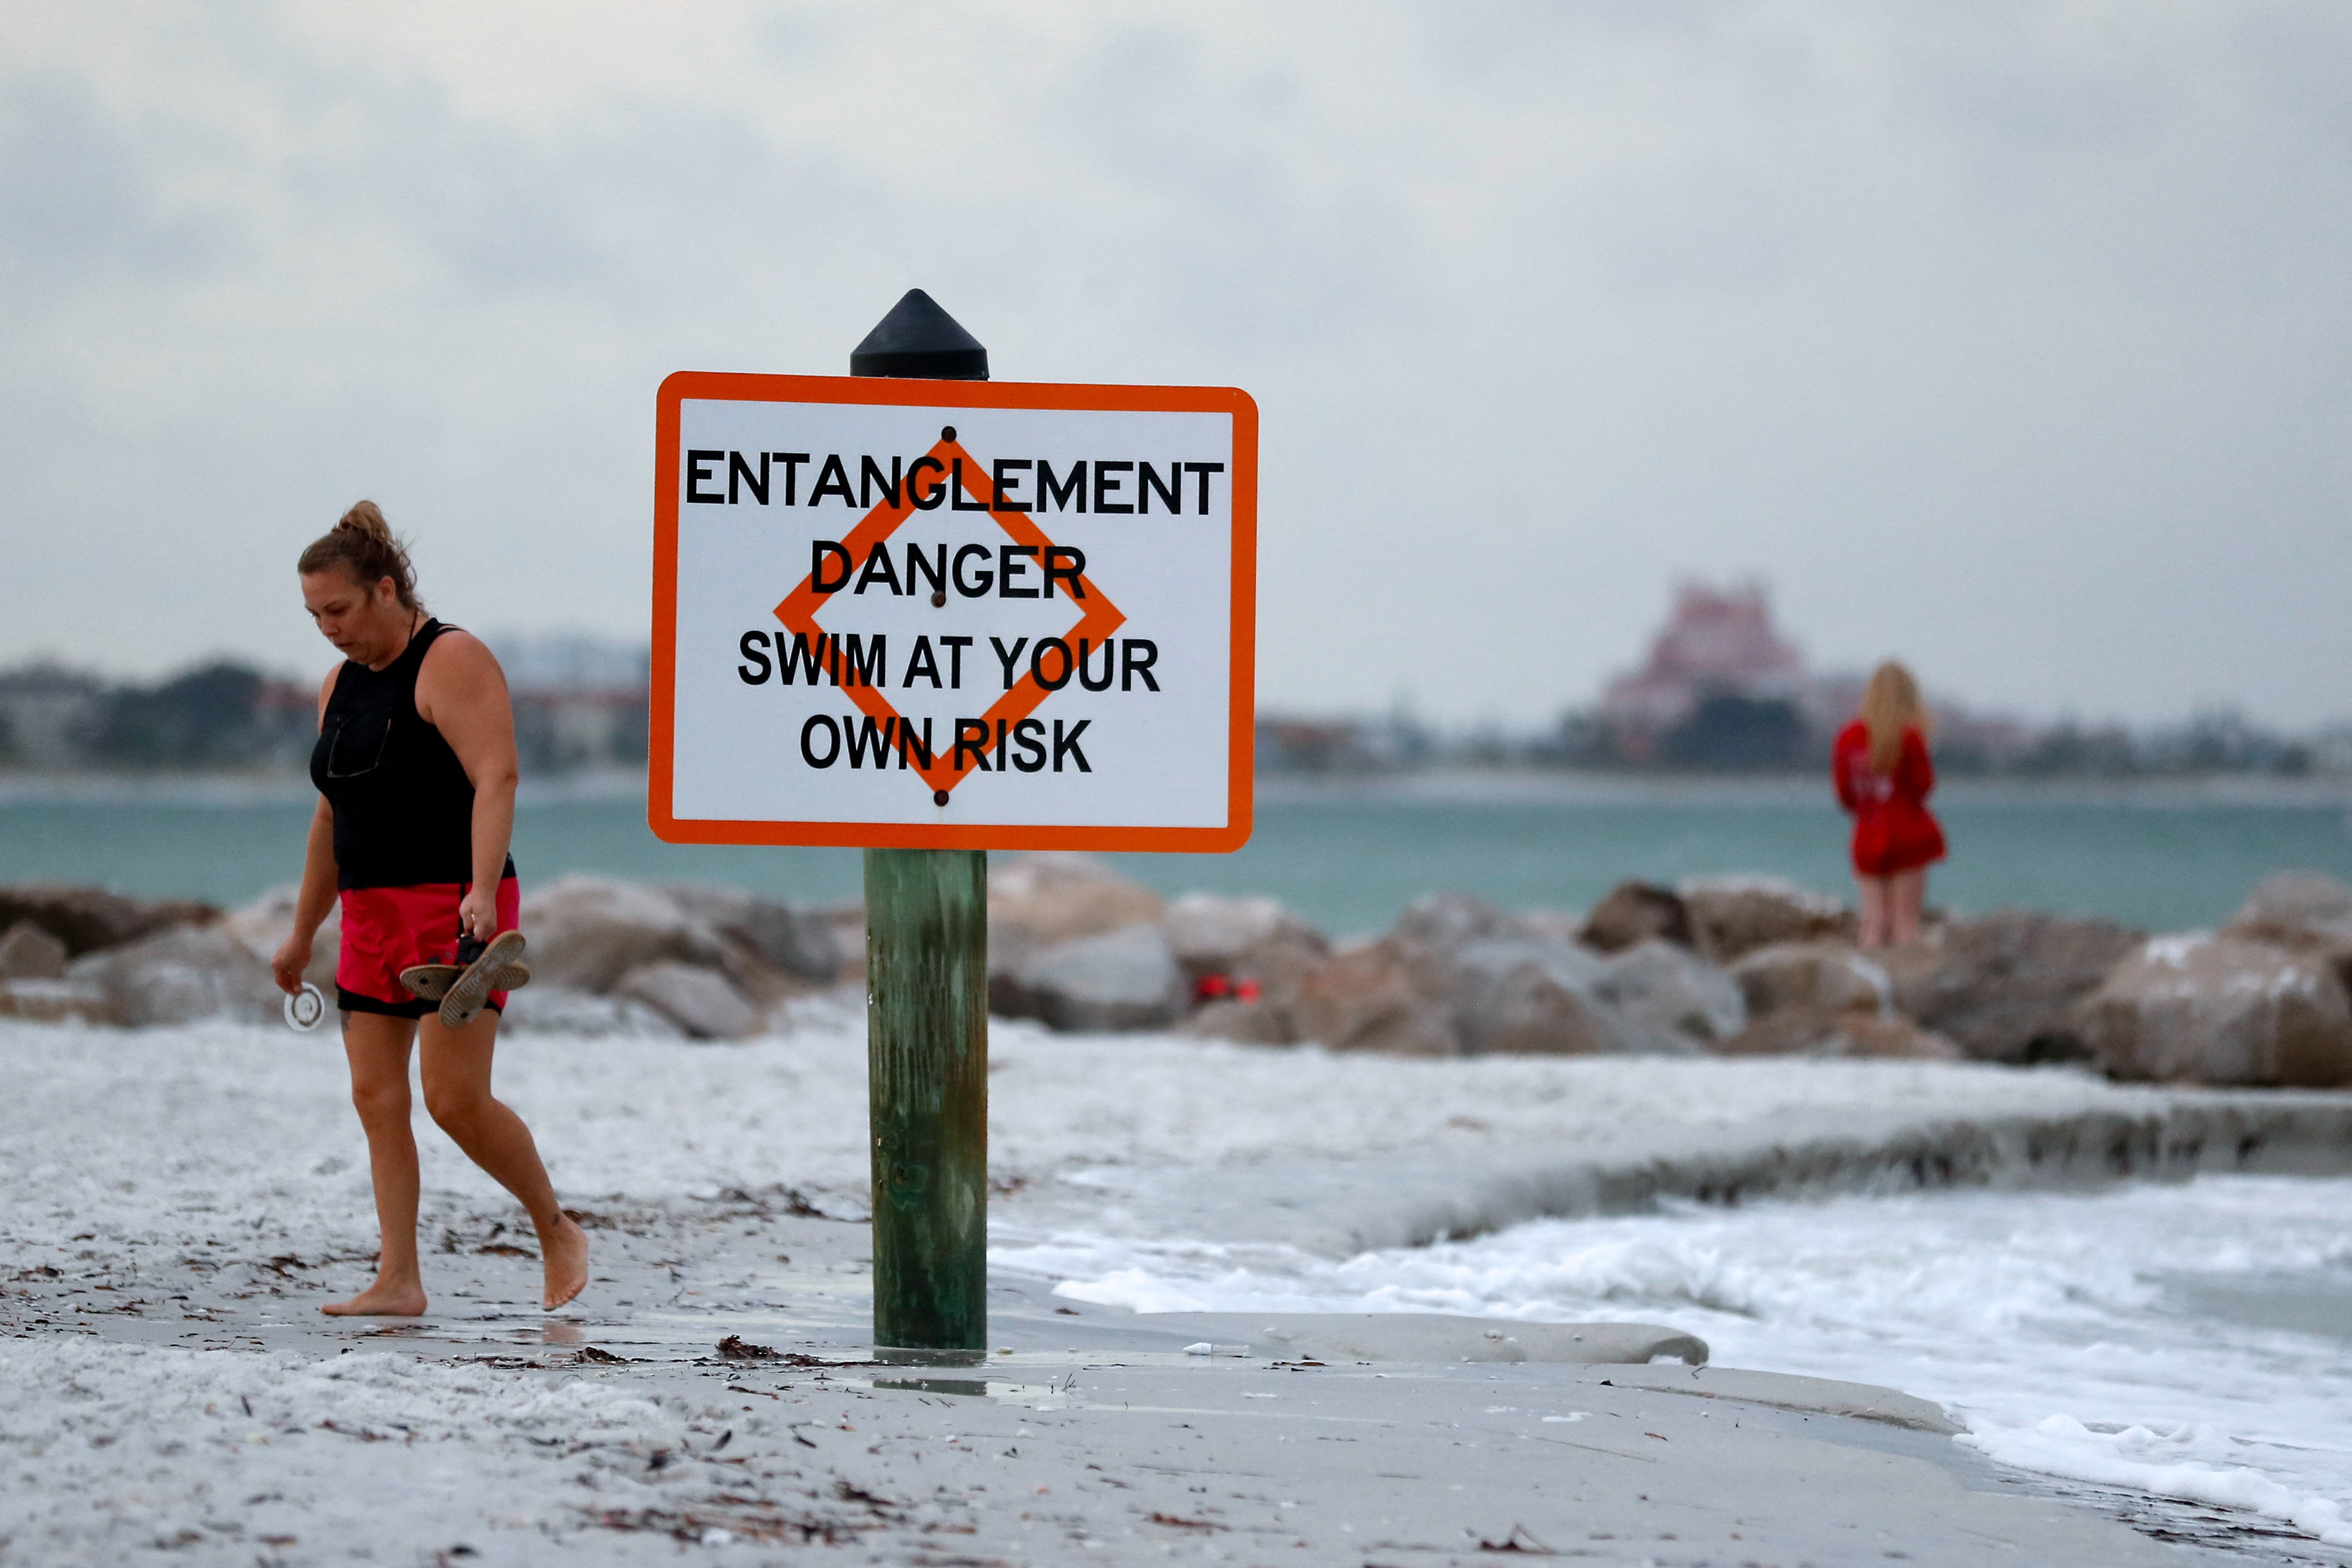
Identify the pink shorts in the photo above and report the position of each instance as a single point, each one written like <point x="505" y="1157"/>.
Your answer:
<point x="388" y="929"/>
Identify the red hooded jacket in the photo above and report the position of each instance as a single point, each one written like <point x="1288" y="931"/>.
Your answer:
<point x="1893" y="829"/>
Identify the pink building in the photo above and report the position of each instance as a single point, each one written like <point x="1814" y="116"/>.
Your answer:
<point x="1717" y="641"/>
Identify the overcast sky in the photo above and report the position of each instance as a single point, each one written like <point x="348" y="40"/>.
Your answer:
<point x="2008" y="338"/>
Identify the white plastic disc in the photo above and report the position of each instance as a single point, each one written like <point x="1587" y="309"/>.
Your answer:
<point x="305" y="1008"/>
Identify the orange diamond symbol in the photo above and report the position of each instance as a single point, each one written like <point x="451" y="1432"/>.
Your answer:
<point x="798" y="612"/>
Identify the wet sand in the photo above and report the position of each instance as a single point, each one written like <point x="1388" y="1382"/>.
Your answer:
<point x="1084" y="1434"/>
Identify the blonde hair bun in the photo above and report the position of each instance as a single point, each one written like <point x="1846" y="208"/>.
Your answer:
<point x="362" y="544"/>
<point x="366" y="519"/>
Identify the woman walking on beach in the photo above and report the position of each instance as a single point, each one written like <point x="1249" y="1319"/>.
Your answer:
<point x="415" y="769"/>
<point x="1884" y="777"/>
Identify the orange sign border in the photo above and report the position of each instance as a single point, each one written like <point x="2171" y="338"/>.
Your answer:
<point x="715" y="386"/>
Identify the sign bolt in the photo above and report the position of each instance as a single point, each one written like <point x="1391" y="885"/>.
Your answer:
<point x="939" y="797"/>
<point x="947" y="433"/>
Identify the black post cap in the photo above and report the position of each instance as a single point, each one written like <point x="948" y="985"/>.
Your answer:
<point x="919" y="339"/>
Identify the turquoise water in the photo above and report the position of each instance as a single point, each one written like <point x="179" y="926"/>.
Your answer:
<point x="1349" y="859"/>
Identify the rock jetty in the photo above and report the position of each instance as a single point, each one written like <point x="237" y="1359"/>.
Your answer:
<point x="1723" y="966"/>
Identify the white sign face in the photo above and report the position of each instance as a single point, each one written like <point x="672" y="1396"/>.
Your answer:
<point x="953" y="614"/>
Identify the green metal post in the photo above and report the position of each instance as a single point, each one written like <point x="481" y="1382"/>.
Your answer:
<point x="927" y="1005"/>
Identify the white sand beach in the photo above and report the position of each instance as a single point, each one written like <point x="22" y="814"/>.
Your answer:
<point x="177" y="1202"/>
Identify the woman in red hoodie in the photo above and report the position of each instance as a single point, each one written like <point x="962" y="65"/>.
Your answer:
<point x="1884" y="778"/>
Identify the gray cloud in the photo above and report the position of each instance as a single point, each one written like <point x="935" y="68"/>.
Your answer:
<point x="79" y="208"/>
<point x="2007" y="336"/>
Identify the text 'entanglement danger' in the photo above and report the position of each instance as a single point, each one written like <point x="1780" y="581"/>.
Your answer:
<point x="721" y="476"/>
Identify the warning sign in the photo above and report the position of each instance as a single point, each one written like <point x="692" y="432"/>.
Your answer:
<point x="952" y="614"/>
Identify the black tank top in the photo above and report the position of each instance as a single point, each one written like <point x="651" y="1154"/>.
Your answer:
<point x="403" y="807"/>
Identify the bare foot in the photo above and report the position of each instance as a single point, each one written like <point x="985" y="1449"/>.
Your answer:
<point x="381" y="1301"/>
<point x="565" y="1252"/>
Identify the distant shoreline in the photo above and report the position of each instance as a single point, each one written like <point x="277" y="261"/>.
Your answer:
<point x="1453" y="786"/>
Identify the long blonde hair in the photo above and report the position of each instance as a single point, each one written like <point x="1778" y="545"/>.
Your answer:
<point x="1891" y="705"/>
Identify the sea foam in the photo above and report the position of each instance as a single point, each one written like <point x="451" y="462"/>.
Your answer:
<point x="2188" y="1341"/>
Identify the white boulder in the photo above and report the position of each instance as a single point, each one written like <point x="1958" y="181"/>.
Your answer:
<point x="1518" y="996"/>
<point x="792" y="939"/>
<point x="1662" y="988"/>
<point x="1124" y="979"/>
<point x="1819" y="977"/>
<point x="700" y="1002"/>
<point x="182" y="974"/>
<point x="562" y="1010"/>
<point x="2304" y="912"/>
<point x="1731" y="916"/>
<point x="263" y="925"/>
<point x="1371" y="997"/>
<point x="2219" y="1009"/>
<point x="592" y="932"/>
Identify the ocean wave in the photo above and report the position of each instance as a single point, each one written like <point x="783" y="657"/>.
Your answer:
<point x="2133" y="1337"/>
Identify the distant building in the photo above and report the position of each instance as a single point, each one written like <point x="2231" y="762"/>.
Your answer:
<point x="1343" y="745"/>
<point x="571" y="663"/>
<point x="1721" y="688"/>
<point x="1715" y="641"/>
<point x="579" y="702"/>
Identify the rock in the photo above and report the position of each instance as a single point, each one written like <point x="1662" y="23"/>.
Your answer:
<point x="1549" y="925"/>
<point x="181" y="975"/>
<point x="560" y="1009"/>
<point x="1244" y="1023"/>
<point x="2004" y="987"/>
<point x="1431" y="934"/>
<point x="1638" y="912"/>
<point x="791" y="939"/>
<point x="1397" y="993"/>
<point x="1037" y="900"/>
<point x="590" y="932"/>
<point x="29" y="952"/>
<point x="699" y="1000"/>
<point x="1734" y="915"/>
<point x="91" y="919"/>
<point x="1366" y="998"/>
<point x="1446" y="922"/>
<point x="2302" y="912"/>
<point x="1253" y="946"/>
<point x="53" y="1001"/>
<point x="1247" y="938"/>
<point x="1458" y="975"/>
<point x="1821" y="977"/>
<point x="2221" y="1009"/>
<point x="1245" y="963"/>
<point x="1661" y="989"/>
<point x="1526" y="997"/>
<point x="2300" y="898"/>
<point x="1124" y="979"/>
<point x="1818" y="1032"/>
<point x="848" y="924"/>
<point x="264" y="922"/>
